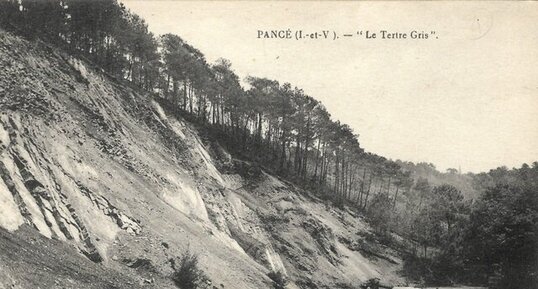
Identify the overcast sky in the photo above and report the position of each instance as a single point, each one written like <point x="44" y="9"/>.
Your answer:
<point x="468" y="98"/>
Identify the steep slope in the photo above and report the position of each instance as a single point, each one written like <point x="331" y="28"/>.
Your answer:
<point x="92" y="163"/>
<point x="30" y="260"/>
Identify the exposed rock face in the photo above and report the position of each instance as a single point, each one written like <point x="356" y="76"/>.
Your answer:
<point x="90" y="162"/>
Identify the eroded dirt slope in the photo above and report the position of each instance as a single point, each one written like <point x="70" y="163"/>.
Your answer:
<point x="89" y="162"/>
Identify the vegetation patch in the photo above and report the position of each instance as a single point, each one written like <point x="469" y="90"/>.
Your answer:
<point x="187" y="274"/>
<point x="280" y="281"/>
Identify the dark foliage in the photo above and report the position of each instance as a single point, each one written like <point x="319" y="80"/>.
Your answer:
<point x="503" y="230"/>
<point x="279" y="280"/>
<point x="495" y="242"/>
<point x="186" y="274"/>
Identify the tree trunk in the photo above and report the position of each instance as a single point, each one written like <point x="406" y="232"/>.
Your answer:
<point x="395" y="197"/>
<point x="368" y="192"/>
<point x="184" y="94"/>
<point x="361" y="192"/>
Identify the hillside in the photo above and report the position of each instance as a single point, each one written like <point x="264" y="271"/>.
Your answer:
<point x="116" y="178"/>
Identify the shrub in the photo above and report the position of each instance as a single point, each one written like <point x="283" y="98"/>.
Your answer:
<point x="186" y="274"/>
<point x="279" y="280"/>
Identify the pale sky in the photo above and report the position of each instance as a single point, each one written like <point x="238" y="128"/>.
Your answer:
<point x="468" y="98"/>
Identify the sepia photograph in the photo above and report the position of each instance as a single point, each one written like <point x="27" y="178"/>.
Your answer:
<point x="268" y="144"/>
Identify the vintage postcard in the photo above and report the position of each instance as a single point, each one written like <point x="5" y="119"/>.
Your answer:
<point x="268" y="144"/>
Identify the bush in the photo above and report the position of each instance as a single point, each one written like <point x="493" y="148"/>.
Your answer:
<point x="279" y="280"/>
<point x="379" y="213"/>
<point x="186" y="274"/>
